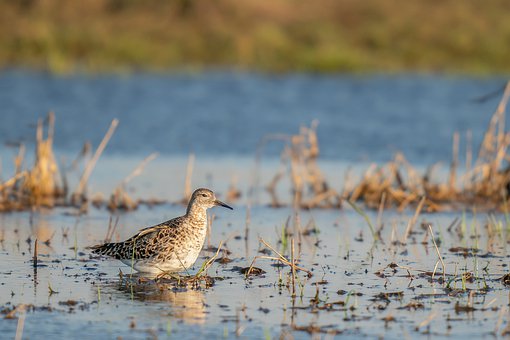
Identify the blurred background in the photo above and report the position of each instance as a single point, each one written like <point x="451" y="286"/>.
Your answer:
<point x="275" y="36"/>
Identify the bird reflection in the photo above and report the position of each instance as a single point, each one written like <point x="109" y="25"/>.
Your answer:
<point x="186" y="304"/>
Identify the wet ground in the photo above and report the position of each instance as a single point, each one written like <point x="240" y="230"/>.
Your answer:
<point x="359" y="287"/>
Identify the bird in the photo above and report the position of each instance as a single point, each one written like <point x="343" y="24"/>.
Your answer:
<point x="171" y="246"/>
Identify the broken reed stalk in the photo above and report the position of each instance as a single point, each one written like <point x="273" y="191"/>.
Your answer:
<point x="427" y="320"/>
<point x="92" y="163"/>
<point x="210" y="221"/>
<point x="297" y="228"/>
<point x="189" y="174"/>
<point x="139" y="169"/>
<point x="11" y="181"/>
<point x="280" y="258"/>
<point x="491" y="136"/>
<point x="435" y="269"/>
<point x="120" y="199"/>
<point x="438" y="253"/>
<point x="111" y="228"/>
<point x="501" y="111"/>
<point x="18" y="160"/>
<point x="21" y="322"/>
<point x="292" y="260"/>
<point x="501" y="313"/>
<point x="412" y="221"/>
<point x="455" y="160"/>
<point x="35" y="254"/>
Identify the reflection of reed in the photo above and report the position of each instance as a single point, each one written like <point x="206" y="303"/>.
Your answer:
<point x="186" y="304"/>
<point x="43" y="231"/>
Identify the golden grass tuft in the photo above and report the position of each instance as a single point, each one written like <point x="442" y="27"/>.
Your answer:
<point x="486" y="185"/>
<point x="39" y="186"/>
<point x="397" y="183"/>
<point x="299" y="159"/>
<point x="43" y="185"/>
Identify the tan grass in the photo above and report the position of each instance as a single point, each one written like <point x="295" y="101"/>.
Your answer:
<point x="397" y="183"/>
<point x="43" y="185"/>
<point x="309" y="186"/>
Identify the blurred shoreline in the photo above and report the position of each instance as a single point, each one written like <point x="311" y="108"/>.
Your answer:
<point x="283" y="36"/>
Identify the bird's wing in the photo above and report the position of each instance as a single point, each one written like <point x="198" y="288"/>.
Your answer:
<point x="147" y="243"/>
<point x="173" y="223"/>
<point x="150" y="242"/>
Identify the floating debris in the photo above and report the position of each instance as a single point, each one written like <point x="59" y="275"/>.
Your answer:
<point x="250" y="271"/>
<point x="506" y="279"/>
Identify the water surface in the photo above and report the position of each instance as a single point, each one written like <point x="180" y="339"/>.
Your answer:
<point x="223" y="113"/>
<point x="356" y="289"/>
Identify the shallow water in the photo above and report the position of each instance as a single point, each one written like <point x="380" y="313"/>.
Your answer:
<point x="355" y="289"/>
<point x="91" y="298"/>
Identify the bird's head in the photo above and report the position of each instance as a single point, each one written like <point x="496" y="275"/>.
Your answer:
<point x="206" y="198"/>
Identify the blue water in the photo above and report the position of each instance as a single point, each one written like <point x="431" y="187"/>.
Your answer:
<point x="224" y="113"/>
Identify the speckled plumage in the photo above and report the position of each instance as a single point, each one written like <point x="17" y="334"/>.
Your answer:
<point x="170" y="246"/>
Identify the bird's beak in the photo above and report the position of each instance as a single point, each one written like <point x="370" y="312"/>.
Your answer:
<point x="220" y="203"/>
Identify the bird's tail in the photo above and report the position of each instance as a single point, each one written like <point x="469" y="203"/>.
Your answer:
<point x="108" y="249"/>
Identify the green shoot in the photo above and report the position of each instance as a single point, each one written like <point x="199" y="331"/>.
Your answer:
<point x="50" y="290"/>
<point x="365" y="216"/>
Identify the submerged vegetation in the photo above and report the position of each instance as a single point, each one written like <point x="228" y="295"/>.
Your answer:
<point x="332" y="35"/>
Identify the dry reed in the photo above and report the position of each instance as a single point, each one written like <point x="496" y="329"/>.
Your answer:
<point x="309" y="186"/>
<point x="485" y="181"/>
<point x="120" y="199"/>
<point x="78" y="196"/>
<point x="43" y="185"/>
<point x="438" y="253"/>
<point x="279" y="258"/>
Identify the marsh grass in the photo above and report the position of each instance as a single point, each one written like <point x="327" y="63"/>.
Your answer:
<point x="299" y="157"/>
<point x="44" y="185"/>
<point x="485" y="183"/>
<point x="398" y="184"/>
<point x="280" y="258"/>
<point x="40" y="185"/>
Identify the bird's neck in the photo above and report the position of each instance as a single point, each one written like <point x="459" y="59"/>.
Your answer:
<point x="197" y="213"/>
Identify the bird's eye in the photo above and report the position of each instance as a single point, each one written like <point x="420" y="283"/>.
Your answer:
<point x="203" y="195"/>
